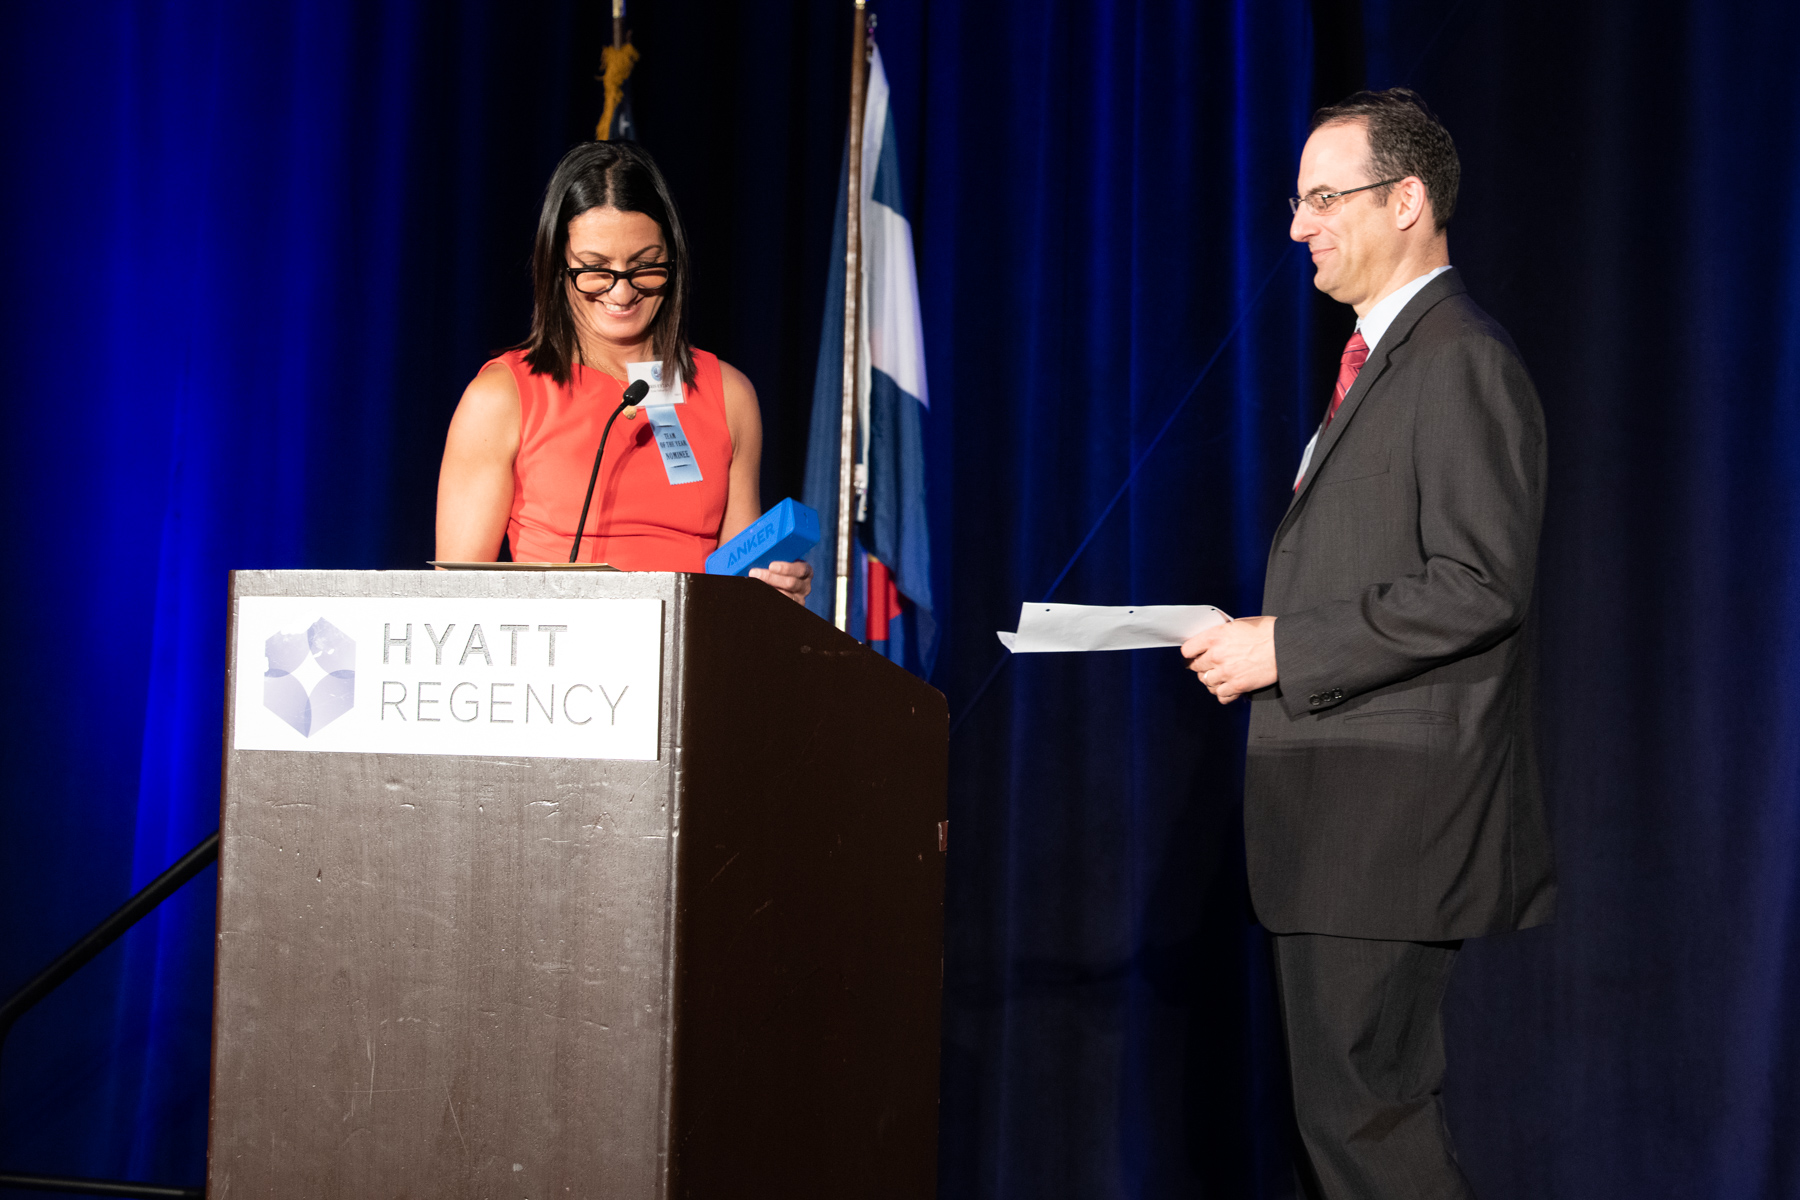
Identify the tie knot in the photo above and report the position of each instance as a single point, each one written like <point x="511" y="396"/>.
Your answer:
<point x="1356" y="350"/>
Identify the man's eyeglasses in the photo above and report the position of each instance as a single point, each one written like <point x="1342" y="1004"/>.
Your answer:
<point x="647" y="280"/>
<point x="1322" y="203"/>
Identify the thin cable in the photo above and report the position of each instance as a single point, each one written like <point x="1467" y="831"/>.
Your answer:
<point x="980" y="692"/>
<point x="1132" y="475"/>
<point x="1155" y="441"/>
<point x="1406" y="79"/>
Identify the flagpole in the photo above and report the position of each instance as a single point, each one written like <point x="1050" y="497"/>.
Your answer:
<point x="859" y="86"/>
<point x="618" y="9"/>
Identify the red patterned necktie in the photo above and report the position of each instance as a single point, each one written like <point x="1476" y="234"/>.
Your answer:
<point x="1356" y="353"/>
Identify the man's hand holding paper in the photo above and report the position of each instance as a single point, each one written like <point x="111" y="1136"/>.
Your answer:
<point x="1235" y="658"/>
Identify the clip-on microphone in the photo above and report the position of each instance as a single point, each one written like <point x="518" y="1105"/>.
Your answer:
<point x="628" y="405"/>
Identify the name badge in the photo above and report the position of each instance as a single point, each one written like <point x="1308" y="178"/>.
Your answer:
<point x="661" y="393"/>
<point x="1306" y="457"/>
<point x="659" y="405"/>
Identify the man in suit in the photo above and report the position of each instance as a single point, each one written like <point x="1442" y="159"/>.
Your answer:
<point x="1391" y="798"/>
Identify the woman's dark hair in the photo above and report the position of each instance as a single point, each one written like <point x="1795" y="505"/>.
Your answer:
<point x="1405" y="138"/>
<point x="619" y="175"/>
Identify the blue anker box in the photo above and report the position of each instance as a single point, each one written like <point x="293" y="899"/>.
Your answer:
<point x="782" y="534"/>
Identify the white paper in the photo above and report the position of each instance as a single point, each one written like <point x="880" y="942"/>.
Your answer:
<point x="1053" y="628"/>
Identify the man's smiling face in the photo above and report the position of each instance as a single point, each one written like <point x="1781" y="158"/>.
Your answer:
<point x="1356" y="245"/>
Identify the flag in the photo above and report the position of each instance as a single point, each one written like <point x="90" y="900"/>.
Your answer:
<point x="890" y="586"/>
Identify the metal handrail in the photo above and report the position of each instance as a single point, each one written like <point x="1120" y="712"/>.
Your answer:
<point x="106" y="933"/>
<point x="72" y="960"/>
<point x="99" y="1187"/>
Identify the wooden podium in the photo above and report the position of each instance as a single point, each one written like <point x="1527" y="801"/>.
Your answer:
<point x="701" y="959"/>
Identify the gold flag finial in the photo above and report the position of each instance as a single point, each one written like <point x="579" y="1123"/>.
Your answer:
<point x="615" y="64"/>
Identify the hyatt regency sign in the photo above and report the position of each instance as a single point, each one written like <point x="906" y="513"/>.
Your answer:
<point x="547" y="678"/>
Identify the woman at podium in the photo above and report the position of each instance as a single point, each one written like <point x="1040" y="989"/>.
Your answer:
<point x="611" y="283"/>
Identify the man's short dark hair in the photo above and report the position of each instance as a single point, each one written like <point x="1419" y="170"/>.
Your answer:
<point x="1405" y="138"/>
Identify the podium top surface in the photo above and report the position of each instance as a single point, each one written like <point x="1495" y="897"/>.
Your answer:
<point x="497" y="579"/>
<point x="520" y="566"/>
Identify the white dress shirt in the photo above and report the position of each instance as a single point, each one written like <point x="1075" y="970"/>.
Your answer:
<point x="1373" y="325"/>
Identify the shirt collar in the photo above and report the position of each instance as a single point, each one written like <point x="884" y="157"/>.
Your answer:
<point x="1375" y="322"/>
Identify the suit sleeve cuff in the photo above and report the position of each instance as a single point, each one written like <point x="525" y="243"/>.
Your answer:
<point x="1303" y="689"/>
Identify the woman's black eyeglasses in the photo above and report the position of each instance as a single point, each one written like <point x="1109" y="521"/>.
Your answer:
<point x="646" y="280"/>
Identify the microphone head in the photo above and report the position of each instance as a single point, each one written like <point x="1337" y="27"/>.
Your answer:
<point x="635" y="393"/>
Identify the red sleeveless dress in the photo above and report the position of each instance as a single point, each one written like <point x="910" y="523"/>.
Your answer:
<point x="638" y="520"/>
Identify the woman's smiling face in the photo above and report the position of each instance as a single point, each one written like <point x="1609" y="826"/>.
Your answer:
<point x="606" y="237"/>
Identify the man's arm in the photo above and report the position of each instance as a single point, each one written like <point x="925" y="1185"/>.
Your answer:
<point x="1478" y="457"/>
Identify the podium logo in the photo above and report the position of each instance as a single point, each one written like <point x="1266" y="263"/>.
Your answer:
<point x="325" y="657"/>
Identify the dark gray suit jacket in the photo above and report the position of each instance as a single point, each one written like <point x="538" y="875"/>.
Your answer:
<point x="1392" y="788"/>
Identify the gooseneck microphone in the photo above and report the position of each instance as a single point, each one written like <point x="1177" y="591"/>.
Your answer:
<point x="633" y="395"/>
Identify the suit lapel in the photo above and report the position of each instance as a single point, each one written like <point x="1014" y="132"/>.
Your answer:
<point x="1444" y="286"/>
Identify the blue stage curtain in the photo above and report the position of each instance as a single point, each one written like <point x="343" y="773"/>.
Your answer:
<point x="254" y="252"/>
<point x="1628" y="171"/>
<point x="1107" y="277"/>
<point x="1629" y="174"/>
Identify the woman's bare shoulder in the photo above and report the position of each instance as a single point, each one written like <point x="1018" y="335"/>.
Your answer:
<point x="493" y="385"/>
<point x="487" y="416"/>
<point x="742" y="414"/>
<point x="736" y="385"/>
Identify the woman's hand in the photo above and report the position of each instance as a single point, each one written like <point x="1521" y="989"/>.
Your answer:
<point x="791" y="579"/>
